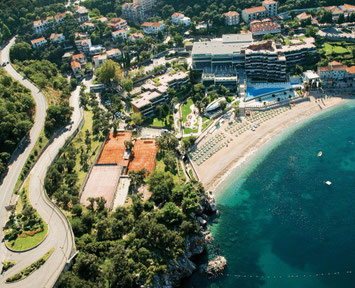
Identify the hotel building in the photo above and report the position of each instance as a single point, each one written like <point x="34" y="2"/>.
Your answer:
<point x="231" y="18"/>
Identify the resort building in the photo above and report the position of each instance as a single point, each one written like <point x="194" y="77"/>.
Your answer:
<point x="57" y="38"/>
<point x="132" y="13"/>
<point x="39" y="26"/>
<point x="153" y="27"/>
<point x="231" y="18"/>
<point x="333" y="72"/>
<point x="237" y="51"/>
<point x="268" y="9"/>
<point x="178" y="18"/>
<point x="39" y="42"/>
<point x="156" y="92"/>
<point x="265" y="26"/>
<point x="265" y="62"/>
<point x="117" y="24"/>
<point x="81" y="14"/>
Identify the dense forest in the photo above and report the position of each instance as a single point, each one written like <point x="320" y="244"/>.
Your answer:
<point x="16" y="113"/>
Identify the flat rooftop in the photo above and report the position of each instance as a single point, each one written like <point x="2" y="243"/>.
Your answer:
<point x="114" y="149"/>
<point x="217" y="47"/>
<point x="144" y="153"/>
<point x="237" y="38"/>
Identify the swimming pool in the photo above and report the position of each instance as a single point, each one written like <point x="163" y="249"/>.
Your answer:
<point x="254" y="92"/>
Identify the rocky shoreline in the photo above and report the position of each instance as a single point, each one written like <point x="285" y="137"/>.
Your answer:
<point x="195" y="245"/>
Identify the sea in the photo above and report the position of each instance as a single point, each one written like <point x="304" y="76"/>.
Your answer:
<point x="280" y="224"/>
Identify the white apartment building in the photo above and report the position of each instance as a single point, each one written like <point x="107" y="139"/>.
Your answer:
<point x="132" y="13"/>
<point x="268" y="9"/>
<point x="147" y="5"/>
<point x="134" y="36"/>
<point x="83" y="45"/>
<point x="119" y="33"/>
<point x="39" y="42"/>
<point x="334" y="71"/>
<point x="179" y="18"/>
<point x="113" y="53"/>
<point x="231" y="18"/>
<point x="152" y="27"/>
<point x="81" y="14"/>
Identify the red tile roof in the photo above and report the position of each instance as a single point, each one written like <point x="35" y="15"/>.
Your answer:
<point x="151" y="24"/>
<point x="255" y="9"/>
<point x="75" y="64"/>
<point x="37" y="40"/>
<point x="231" y="13"/>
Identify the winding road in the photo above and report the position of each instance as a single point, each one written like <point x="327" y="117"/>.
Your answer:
<point x="60" y="235"/>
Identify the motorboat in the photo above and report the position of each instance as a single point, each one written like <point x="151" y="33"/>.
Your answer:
<point x="328" y="183"/>
<point x="320" y="153"/>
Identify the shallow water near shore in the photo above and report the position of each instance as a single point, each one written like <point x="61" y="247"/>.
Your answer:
<point x="280" y="224"/>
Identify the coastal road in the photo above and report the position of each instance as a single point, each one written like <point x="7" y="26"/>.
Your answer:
<point x="60" y="235"/>
<point x="19" y="158"/>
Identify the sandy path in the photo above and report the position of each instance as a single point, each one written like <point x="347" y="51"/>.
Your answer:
<point x="214" y="170"/>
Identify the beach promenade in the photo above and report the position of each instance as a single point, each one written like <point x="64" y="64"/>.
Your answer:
<point x="234" y="141"/>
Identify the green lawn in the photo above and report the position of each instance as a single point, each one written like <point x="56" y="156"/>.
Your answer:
<point x="205" y="124"/>
<point x="186" y="110"/>
<point x="189" y="131"/>
<point x="157" y="122"/>
<point x="79" y="141"/>
<point x="28" y="242"/>
<point x="329" y="49"/>
<point x="160" y="166"/>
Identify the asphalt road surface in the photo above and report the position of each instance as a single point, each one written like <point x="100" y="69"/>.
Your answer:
<point x="60" y="235"/>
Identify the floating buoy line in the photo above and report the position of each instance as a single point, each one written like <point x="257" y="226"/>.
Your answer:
<point x="292" y="276"/>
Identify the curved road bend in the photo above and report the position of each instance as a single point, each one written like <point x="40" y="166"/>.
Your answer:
<point x="60" y="234"/>
<point x="19" y="159"/>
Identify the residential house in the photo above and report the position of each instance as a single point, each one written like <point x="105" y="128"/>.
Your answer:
<point x="81" y="14"/>
<point x="119" y="34"/>
<point x="113" y="53"/>
<point x="79" y="58"/>
<point x="76" y="67"/>
<point x="178" y="18"/>
<point x="99" y="59"/>
<point x="347" y="9"/>
<point x="103" y="20"/>
<point x="96" y="49"/>
<point x="268" y="9"/>
<point x="87" y="26"/>
<point x="117" y="24"/>
<point x="39" y="42"/>
<point x="57" y="38"/>
<point x="231" y="18"/>
<point x="265" y="26"/>
<point x="153" y="27"/>
<point x="133" y="13"/>
<point x="335" y="10"/>
<point x="351" y="73"/>
<point x="134" y="36"/>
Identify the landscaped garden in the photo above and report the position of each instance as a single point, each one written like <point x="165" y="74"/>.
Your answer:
<point x="189" y="117"/>
<point x="25" y="227"/>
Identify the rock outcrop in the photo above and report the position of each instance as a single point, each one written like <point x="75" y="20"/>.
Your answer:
<point x="214" y="267"/>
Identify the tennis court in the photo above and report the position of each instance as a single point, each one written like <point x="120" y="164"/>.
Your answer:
<point x="144" y="152"/>
<point x="114" y="148"/>
<point x="102" y="182"/>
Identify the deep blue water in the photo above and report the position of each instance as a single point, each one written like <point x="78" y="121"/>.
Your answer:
<point x="280" y="224"/>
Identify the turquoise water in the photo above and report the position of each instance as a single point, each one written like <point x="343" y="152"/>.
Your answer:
<point x="280" y="224"/>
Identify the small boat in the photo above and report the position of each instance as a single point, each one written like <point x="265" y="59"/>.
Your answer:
<point x="328" y="183"/>
<point x="320" y="153"/>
